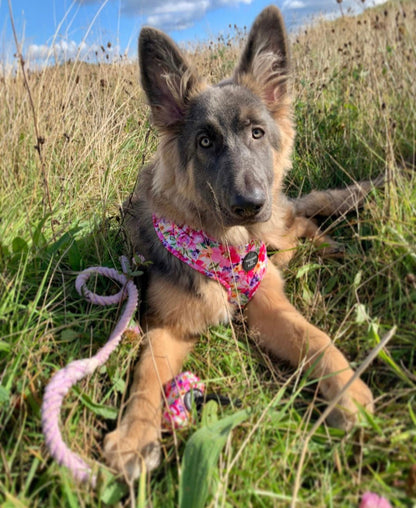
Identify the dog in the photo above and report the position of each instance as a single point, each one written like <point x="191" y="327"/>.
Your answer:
<point x="215" y="186"/>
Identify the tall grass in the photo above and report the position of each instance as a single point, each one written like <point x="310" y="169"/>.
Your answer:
<point x="354" y="87"/>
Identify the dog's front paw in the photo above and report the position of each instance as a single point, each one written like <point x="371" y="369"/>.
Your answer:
<point x="128" y="451"/>
<point x="345" y="414"/>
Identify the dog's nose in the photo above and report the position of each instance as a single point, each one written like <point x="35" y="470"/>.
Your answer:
<point x="249" y="205"/>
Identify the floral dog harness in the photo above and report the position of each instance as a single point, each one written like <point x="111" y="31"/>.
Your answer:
<point x="239" y="269"/>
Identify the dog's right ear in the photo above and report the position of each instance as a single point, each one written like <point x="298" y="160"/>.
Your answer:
<point x="166" y="78"/>
<point x="264" y="63"/>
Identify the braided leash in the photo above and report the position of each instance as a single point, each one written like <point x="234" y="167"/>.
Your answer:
<point x="66" y="378"/>
<point x="181" y="392"/>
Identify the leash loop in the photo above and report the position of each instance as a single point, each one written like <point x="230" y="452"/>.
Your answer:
<point x="63" y="380"/>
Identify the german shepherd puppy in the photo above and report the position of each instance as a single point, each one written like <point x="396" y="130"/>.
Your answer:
<point x="223" y="153"/>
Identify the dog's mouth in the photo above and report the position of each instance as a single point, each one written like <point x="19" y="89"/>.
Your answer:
<point x="237" y="216"/>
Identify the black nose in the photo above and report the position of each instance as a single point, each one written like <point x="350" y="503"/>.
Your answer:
<point x="248" y="205"/>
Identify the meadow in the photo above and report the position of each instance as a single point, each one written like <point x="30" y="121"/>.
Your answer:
<point x="70" y="153"/>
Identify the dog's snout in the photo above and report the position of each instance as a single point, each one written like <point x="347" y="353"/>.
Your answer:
<point x="249" y="205"/>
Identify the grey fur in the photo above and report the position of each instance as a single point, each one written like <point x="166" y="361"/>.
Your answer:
<point x="232" y="178"/>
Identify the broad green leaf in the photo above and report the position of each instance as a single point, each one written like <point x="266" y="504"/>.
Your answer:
<point x="38" y="238"/>
<point x="19" y="245"/>
<point x="309" y="267"/>
<point x="69" y="335"/>
<point x="209" y="413"/>
<point x="361" y="314"/>
<point x="107" y="412"/>
<point x="113" y="492"/>
<point x="357" y="279"/>
<point x="201" y="457"/>
<point x="74" y="256"/>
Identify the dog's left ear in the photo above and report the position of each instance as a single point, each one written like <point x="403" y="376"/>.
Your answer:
<point x="166" y="77"/>
<point x="264" y="63"/>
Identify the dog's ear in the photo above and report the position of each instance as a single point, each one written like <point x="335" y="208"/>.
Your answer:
<point x="166" y="78"/>
<point x="264" y="63"/>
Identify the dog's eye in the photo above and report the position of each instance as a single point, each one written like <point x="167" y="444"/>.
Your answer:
<point x="205" y="142"/>
<point x="257" y="133"/>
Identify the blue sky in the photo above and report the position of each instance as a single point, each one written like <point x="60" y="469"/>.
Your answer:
<point x="80" y="27"/>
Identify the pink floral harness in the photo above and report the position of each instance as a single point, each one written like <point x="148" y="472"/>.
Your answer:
<point x="239" y="269"/>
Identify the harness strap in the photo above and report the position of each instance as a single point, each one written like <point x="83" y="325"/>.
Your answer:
<point x="239" y="269"/>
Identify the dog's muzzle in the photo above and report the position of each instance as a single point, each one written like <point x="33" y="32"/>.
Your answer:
<point x="249" y="205"/>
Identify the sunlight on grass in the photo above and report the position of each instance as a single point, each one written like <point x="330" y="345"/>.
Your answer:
<point x="354" y="87"/>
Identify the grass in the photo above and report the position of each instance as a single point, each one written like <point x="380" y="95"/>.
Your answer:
<point x="354" y="88"/>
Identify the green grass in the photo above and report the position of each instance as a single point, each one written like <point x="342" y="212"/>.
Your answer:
<point x="354" y="88"/>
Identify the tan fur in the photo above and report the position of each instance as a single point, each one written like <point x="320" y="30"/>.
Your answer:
<point x="135" y="441"/>
<point x="284" y="230"/>
<point x="337" y="201"/>
<point x="282" y="330"/>
<point x="177" y="316"/>
<point x="186" y="314"/>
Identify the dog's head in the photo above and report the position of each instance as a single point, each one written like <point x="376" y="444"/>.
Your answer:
<point x="225" y="146"/>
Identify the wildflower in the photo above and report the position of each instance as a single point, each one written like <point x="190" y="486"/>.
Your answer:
<point x="371" y="500"/>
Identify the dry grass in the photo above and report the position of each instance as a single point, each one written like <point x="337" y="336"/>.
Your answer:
<point x="354" y="87"/>
<point x="93" y="127"/>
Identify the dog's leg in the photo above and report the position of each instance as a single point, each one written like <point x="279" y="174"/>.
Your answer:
<point x="282" y="330"/>
<point x="298" y="220"/>
<point x="336" y="202"/>
<point x="303" y="227"/>
<point x="307" y="228"/>
<point x="135" y="442"/>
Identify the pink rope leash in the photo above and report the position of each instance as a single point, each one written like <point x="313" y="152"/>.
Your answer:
<point x="63" y="380"/>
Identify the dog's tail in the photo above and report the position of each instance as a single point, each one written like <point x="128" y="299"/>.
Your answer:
<point x="336" y="201"/>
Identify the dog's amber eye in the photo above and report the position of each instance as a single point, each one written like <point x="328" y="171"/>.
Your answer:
<point x="205" y="142"/>
<point x="257" y="133"/>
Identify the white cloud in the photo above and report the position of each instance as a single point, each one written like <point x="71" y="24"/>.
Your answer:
<point x="293" y="4"/>
<point x="177" y="15"/>
<point x="63" y="50"/>
<point x="303" y="12"/>
<point x="170" y="14"/>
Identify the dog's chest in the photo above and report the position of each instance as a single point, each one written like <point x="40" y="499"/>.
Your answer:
<point x="238" y="269"/>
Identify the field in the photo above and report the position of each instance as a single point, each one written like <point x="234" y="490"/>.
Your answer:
<point x="67" y="164"/>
